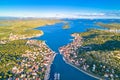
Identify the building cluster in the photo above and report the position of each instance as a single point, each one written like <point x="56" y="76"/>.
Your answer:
<point x="70" y="53"/>
<point x="3" y="41"/>
<point x="34" y="63"/>
<point x="17" y="37"/>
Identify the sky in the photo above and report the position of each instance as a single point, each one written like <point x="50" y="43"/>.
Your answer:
<point x="60" y="8"/>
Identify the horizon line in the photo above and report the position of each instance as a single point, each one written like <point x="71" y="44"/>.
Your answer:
<point x="60" y="17"/>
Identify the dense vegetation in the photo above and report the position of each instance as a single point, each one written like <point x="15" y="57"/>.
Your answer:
<point x="102" y="48"/>
<point x="13" y="47"/>
<point x="24" y="57"/>
<point x="10" y="55"/>
<point x="110" y="26"/>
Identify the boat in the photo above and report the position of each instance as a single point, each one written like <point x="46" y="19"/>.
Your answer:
<point x="57" y="76"/>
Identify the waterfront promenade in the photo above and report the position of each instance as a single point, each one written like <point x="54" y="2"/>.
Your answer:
<point x="71" y="49"/>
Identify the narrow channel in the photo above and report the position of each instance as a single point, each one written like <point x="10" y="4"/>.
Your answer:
<point x="55" y="37"/>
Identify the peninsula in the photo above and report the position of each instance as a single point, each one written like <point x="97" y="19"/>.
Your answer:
<point x="95" y="52"/>
<point x="21" y="58"/>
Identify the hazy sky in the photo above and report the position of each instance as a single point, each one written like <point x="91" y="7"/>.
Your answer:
<point x="51" y="8"/>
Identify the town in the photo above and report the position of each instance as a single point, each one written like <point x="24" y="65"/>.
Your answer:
<point x="33" y="64"/>
<point x="84" y="56"/>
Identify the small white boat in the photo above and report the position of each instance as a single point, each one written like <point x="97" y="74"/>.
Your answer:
<point x="57" y="76"/>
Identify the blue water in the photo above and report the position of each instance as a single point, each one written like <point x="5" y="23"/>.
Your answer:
<point x="56" y="37"/>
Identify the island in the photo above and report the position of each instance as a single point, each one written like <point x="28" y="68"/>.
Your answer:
<point x="66" y="26"/>
<point x="95" y="52"/>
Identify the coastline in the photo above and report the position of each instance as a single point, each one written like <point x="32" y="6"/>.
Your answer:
<point x="62" y="52"/>
<point x="87" y="73"/>
<point x="23" y="37"/>
<point x="47" y="73"/>
<point x="19" y="37"/>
